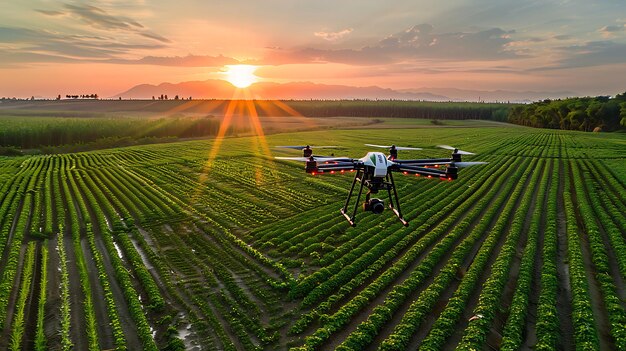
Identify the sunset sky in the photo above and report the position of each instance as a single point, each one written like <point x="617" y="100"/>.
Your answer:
<point x="56" y="47"/>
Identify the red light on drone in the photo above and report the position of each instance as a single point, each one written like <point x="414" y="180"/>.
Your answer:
<point x="417" y="174"/>
<point x="342" y="171"/>
<point x="313" y="173"/>
<point x="405" y="173"/>
<point x="429" y="176"/>
<point x="332" y="172"/>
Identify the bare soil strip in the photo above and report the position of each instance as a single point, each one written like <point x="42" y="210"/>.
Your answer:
<point x="564" y="295"/>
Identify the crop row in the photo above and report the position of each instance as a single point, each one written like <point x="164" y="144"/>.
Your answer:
<point x="18" y="321"/>
<point x="367" y="330"/>
<point x="360" y="254"/>
<point x="121" y="273"/>
<point x="40" y="337"/>
<point x="72" y="220"/>
<point x="585" y="330"/>
<point x="547" y="321"/>
<point x="445" y="324"/>
<point x="476" y="331"/>
<point x="13" y="258"/>
<point x="66" y="342"/>
<point x="600" y="259"/>
<point x="453" y="214"/>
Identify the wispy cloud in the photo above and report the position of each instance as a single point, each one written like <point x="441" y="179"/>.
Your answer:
<point x="99" y="19"/>
<point x="51" y="12"/>
<point x="333" y="36"/>
<point x="181" y="61"/>
<point x="23" y="45"/>
<point x="415" y="43"/>
<point x="589" y="54"/>
<point x="611" y="31"/>
<point x="95" y="36"/>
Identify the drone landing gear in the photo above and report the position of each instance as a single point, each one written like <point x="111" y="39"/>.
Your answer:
<point x="374" y="205"/>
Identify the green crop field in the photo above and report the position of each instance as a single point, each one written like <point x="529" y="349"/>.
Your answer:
<point x="214" y="245"/>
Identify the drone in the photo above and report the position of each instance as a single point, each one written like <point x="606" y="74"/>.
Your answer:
<point x="375" y="170"/>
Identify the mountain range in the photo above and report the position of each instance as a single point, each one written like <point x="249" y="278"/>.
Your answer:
<point x="220" y="89"/>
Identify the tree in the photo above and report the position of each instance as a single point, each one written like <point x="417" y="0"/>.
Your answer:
<point x="622" y="114"/>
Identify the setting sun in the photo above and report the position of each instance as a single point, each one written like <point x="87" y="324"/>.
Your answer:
<point x="241" y="76"/>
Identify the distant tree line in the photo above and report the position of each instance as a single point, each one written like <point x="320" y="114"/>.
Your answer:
<point x="82" y="96"/>
<point x="37" y="132"/>
<point x="401" y="109"/>
<point x="164" y="97"/>
<point x="584" y="114"/>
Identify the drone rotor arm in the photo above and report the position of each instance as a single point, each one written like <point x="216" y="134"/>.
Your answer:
<point x="396" y="147"/>
<point x="422" y="171"/>
<point x="315" y="158"/>
<point x="425" y="162"/>
<point x="340" y="166"/>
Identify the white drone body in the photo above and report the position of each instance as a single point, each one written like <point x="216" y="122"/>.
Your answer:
<point x="378" y="161"/>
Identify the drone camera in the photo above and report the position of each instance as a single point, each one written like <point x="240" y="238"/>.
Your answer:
<point x="374" y="205"/>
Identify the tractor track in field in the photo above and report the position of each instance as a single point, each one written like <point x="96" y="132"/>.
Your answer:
<point x="52" y="316"/>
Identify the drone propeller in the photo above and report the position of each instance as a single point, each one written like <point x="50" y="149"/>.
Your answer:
<point x="321" y="159"/>
<point x="467" y="164"/>
<point x="300" y="147"/>
<point x="397" y="147"/>
<point x="460" y="152"/>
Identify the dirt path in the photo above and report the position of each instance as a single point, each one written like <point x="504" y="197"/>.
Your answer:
<point x="564" y="294"/>
<point x="52" y="315"/>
